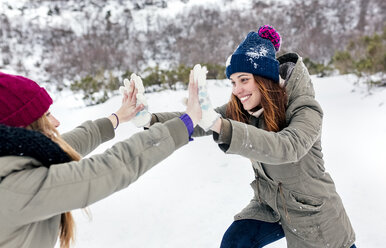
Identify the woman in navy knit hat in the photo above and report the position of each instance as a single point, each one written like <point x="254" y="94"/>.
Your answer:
<point x="273" y="119"/>
<point x="43" y="175"/>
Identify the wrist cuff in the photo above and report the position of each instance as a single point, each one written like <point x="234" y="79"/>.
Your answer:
<point x="188" y="123"/>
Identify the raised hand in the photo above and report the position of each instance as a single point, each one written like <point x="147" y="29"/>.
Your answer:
<point x="193" y="108"/>
<point x="129" y="108"/>
<point x="209" y="116"/>
<point x="143" y="117"/>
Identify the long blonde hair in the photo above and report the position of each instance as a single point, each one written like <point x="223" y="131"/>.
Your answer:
<point x="67" y="224"/>
<point x="273" y="101"/>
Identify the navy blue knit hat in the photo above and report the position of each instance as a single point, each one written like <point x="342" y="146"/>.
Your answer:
<point x="256" y="54"/>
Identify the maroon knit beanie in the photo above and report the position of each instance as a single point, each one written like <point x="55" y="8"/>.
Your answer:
<point x="22" y="101"/>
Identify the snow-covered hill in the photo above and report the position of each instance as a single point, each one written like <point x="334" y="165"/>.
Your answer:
<point x="190" y="198"/>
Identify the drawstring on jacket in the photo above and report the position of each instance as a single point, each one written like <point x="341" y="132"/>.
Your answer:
<point x="257" y="179"/>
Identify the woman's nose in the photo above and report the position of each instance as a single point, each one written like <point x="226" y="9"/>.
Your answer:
<point x="57" y="123"/>
<point x="54" y="121"/>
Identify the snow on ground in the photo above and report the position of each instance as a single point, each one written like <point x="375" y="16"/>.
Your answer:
<point x="189" y="199"/>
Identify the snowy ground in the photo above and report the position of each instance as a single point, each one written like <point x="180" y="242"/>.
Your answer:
<point x="190" y="198"/>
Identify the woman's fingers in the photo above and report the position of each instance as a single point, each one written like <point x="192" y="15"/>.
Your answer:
<point x="125" y="97"/>
<point x="194" y="91"/>
<point x="132" y="99"/>
<point x="132" y="90"/>
<point x="191" y="78"/>
<point x="192" y="85"/>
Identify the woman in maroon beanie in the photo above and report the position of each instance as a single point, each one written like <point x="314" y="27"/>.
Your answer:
<point x="42" y="173"/>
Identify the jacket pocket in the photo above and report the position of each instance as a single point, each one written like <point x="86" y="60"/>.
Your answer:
<point x="306" y="202"/>
<point x="305" y="220"/>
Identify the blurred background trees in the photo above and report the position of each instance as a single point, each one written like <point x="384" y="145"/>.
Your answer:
<point x="89" y="46"/>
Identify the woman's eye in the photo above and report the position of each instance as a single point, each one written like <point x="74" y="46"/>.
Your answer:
<point x="48" y="114"/>
<point x="233" y="83"/>
<point x="243" y="80"/>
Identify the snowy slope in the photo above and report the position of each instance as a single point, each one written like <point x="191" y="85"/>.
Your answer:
<point x="189" y="199"/>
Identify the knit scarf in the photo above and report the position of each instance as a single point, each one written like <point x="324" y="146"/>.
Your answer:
<point x="15" y="141"/>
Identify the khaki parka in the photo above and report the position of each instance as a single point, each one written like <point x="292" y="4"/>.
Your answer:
<point x="291" y="186"/>
<point x="32" y="196"/>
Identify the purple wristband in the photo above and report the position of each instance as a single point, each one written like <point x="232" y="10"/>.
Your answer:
<point x="188" y="123"/>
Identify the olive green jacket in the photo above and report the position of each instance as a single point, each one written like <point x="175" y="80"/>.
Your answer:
<point x="32" y="197"/>
<point x="291" y="183"/>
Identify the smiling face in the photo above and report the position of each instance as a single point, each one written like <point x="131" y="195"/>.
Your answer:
<point x="245" y="88"/>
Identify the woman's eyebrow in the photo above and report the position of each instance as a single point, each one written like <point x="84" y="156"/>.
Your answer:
<point x="242" y="75"/>
<point x="239" y="76"/>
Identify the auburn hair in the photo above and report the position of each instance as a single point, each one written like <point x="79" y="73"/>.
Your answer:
<point x="67" y="223"/>
<point x="273" y="101"/>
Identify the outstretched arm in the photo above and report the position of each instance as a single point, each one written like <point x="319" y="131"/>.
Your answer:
<point x="86" y="137"/>
<point x="286" y="146"/>
<point x="40" y="193"/>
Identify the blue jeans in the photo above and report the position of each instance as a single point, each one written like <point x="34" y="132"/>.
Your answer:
<point x="252" y="234"/>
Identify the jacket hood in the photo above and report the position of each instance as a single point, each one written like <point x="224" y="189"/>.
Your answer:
<point x="296" y="76"/>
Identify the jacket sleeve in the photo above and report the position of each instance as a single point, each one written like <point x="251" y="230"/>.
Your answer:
<point x="285" y="146"/>
<point x="64" y="187"/>
<point x="198" y="131"/>
<point x="86" y="137"/>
